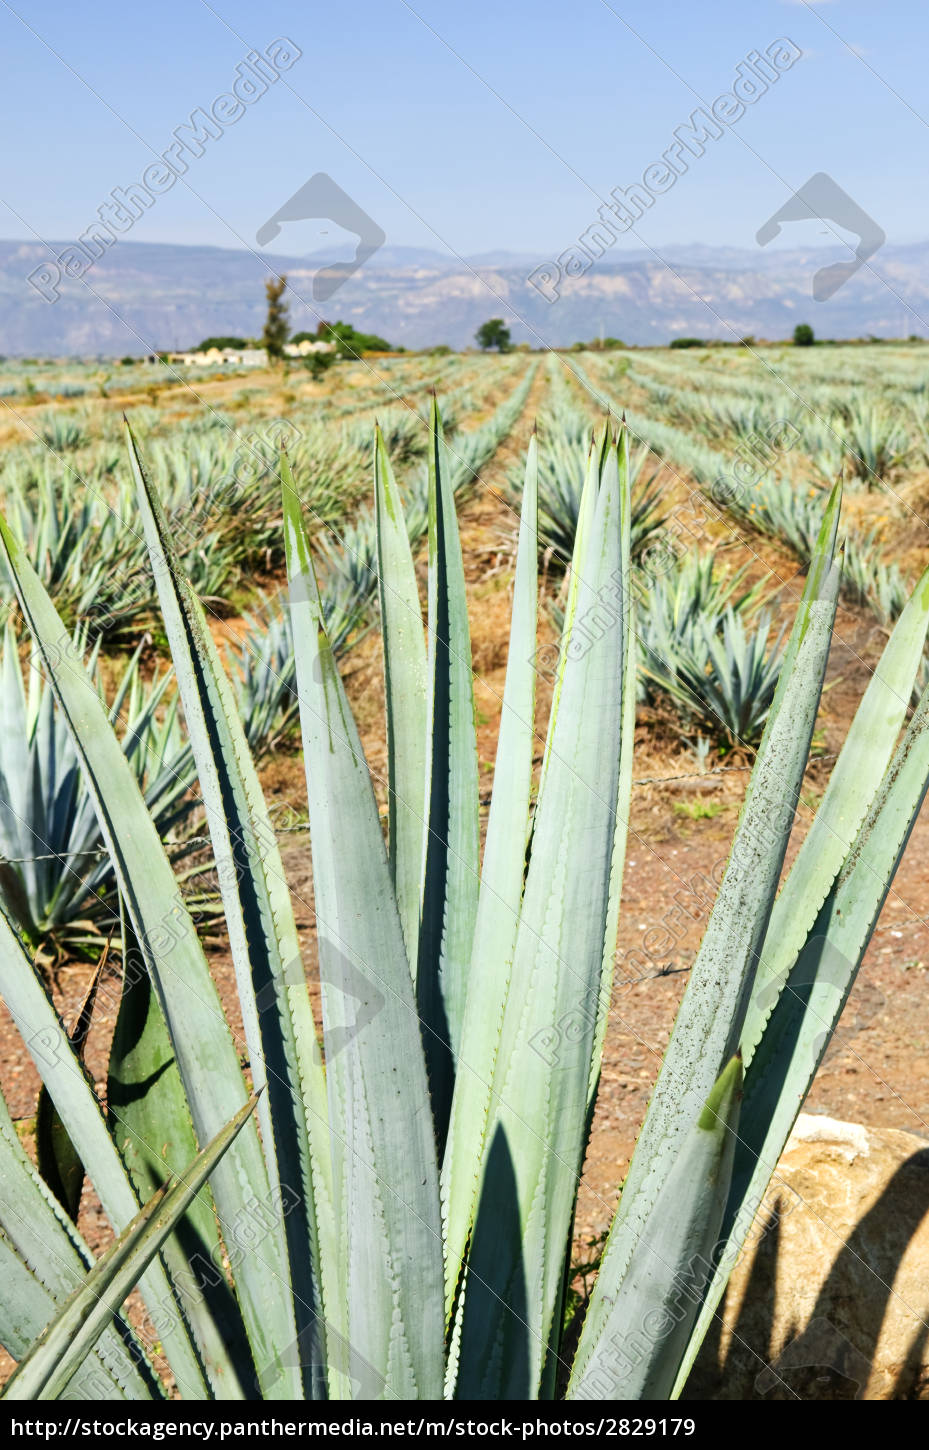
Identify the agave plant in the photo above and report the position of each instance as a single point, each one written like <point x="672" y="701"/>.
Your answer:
<point x="566" y="442"/>
<point x="875" y="440"/>
<point x="722" y="675"/>
<point x="562" y="469"/>
<point x="822" y="442"/>
<point x="263" y="673"/>
<point x="404" y="433"/>
<point x="401" y="1225"/>
<point x="95" y="567"/>
<point x="56" y="878"/>
<point x="61" y="432"/>
<point x="870" y="580"/>
<point x="73" y="541"/>
<point x="698" y="589"/>
<point x="220" y="488"/>
<point x="705" y="646"/>
<point x="264" y="666"/>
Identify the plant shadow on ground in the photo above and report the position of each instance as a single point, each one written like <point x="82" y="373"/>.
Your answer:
<point x="829" y="1356"/>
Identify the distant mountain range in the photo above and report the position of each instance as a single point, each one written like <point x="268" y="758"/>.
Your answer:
<point x="144" y="297"/>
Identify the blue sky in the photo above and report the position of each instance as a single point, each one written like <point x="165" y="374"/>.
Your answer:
<point x="463" y="128"/>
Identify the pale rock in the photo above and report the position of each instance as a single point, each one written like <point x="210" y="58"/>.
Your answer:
<point x="830" y="1299"/>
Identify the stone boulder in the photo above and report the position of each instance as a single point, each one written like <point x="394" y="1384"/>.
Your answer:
<point x="830" y="1299"/>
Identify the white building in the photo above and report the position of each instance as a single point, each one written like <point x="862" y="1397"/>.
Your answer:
<point x="306" y="347"/>
<point x="247" y="357"/>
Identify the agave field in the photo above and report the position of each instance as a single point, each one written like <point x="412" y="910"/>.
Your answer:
<point x="357" y="737"/>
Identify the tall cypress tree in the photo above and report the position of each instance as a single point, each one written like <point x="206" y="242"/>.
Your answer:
<point x="276" y="328"/>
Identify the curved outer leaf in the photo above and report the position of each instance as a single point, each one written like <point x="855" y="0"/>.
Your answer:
<point x="263" y="942"/>
<point x="72" y="1092"/>
<point x="42" y="1260"/>
<point x="58" y="1352"/>
<point x="385" y="1174"/>
<point x="149" y="1119"/>
<point x="537" y="1127"/>
<point x="451" y="863"/>
<point x="818" y="584"/>
<point x="629" y="656"/>
<point x="708" y="1025"/>
<point x="199" y="1032"/>
<point x="499" y="902"/>
<point x="618" y="599"/>
<point x="405" y="677"/>
<point x="853" y="783"/>
<point x="648" y="1324"/>
<point x="797" y="1033"/>
<point x="585" y="522"/>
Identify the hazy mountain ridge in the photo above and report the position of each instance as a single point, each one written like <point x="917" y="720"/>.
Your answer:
<point x="147" y="296"/>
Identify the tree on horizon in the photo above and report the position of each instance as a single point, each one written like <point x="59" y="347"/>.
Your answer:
<point x="493" y="333"/>
<point x="277" y="327"/>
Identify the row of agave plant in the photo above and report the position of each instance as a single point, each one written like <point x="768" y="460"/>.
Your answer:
<point x="63" y="430"/>
<point x="218" y="481"/>
<point x="834" y="399"/>
<point x="55" y="871"/>
<point x="866" y="437"/>
<point x="706" y="647"/>
<point x="349" y="584"/>
<point x="885" y="368"/>
<point x="219" y="488"/>
<point x="387" y="1212"/>
<point x="768" y="501"/>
